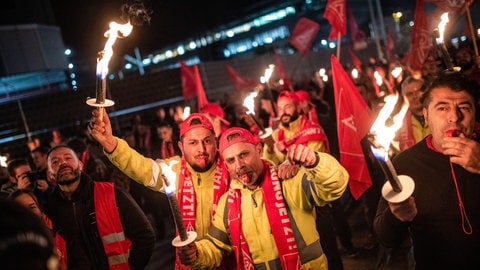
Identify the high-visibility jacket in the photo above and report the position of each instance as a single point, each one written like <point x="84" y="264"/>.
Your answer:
<point x="110" y="228"/>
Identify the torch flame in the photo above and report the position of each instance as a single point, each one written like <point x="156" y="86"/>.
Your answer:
<point x="186" y="112"/>
<point x="170" y="176"/>
<point x="441" y="27"/>
<point x="384" y="134"/>
<point x="111" y="34"/>
<point x="378" y="78"/>
<point x="396" y="72"/>
<point x="249" y="103"/>
<point x="268" y="72"/>
<point x="354" y="73"/>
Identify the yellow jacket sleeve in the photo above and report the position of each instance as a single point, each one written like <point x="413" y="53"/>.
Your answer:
<point x="141" y="169"/>
<point x="321" y="184"/>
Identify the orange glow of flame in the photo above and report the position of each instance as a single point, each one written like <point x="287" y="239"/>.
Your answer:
<point x="441" y="27"/>
<point x="116" y="30"/>
<point x="396" y="72"/>
<point x="186" y="112"/>
<point x="384" y="134"/>
<point x="354" y="73"/>
<point x="268" y="74"/>
<point x="249" y="103"/>
<point x="378" y="78"/>
<point x="170" y="175"/>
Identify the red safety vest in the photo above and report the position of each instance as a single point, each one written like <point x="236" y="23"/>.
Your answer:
<point x="60" y="245"/>
<point x="116" y="245"/>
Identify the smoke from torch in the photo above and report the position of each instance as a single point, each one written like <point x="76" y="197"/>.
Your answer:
<point x="136" y="14"/>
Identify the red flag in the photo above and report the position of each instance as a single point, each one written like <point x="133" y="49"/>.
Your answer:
<point x="421" y="40"/>
<point x="336" y="15"/>
<point x="192" y="84"/>
<point x="303" y="35"/>
<point x="355" y="61"/>
<point x="357" y="35"/>
<point x="240" y="83"/>
<point x="287" y="84"/>
<point x="451" y="6"/>
<point x="354" y="120"/>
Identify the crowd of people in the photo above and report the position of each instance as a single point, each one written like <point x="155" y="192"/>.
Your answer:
<point x="263" y="191"/>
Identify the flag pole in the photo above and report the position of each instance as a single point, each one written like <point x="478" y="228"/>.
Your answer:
<point x="339" y="44"/>
<point x="470" y="24"/>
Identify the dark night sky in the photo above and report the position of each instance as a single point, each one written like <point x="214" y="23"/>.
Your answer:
<point x="84" y="22"/>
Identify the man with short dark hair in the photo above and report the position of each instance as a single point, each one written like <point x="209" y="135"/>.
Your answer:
<point x="442" y="213"/>
<point x="267" y="222"/>
<point x="102" y="226"/>
<point x="201" y="174"/>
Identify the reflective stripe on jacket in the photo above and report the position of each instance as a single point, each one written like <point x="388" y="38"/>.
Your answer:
<point x="110" y="228"/>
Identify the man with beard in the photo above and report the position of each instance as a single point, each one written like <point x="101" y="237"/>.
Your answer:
<point x="294" y="128"/>
<point x="268" y="222"/>
<point x="102" y="226"/>
<point x="201" y="175"/>
<point x="468" y="62"/>
<point x="441" y="215"/>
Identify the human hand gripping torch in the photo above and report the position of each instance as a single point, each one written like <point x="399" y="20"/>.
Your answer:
<point x="398" y="188"/>
<point x="169" y="176"/>
<point x="249" y="104"/>
<point x="116" y="31"/>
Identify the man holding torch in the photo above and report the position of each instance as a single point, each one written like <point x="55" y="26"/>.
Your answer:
<point x="293" y="128"/>
<point x="201" y="175"/>
<point x="442" y="213"/>
<point x="268" y="222"/>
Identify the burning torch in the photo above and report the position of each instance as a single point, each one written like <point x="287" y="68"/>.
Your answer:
<point x="266" y="79"/>
<point x="137" y="14"/>
<point x="249" y="104"/>
<point x="439" y="41"/>
<point x="116" y="30"/>
<point x="398" y="188"/>
<point x="169" y="176"/>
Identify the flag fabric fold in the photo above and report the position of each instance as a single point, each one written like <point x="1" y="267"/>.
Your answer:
<point x="287" y="84"/>
<point x="336" y="15"/>
<point x="421" y="39"/>
<point x="456" y="6"/>
<point x="354" y="120"/>
<point x="192" y="84"/>
<point x="356" y="62"/>
<point x="357" y="36"/>
<point x="304" y="34"/>
<point x="241" y="83"/>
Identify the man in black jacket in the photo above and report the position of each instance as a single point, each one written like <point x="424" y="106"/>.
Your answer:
<point x="442" y="214"/>
<point x="102" y="226"/>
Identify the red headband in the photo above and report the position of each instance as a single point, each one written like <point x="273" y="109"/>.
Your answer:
<point x="236" y="135"/>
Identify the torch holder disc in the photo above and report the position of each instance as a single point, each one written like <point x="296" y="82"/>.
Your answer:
<point x="268" y="132"/>
<point x="191" y="236"/>
<point x="93" y="102"/>
<point x="407" y="190"/>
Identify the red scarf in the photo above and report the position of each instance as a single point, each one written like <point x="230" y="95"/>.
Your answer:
<point x="167" y="150"/>
<point x="309" y="131"/>
<point x="312" y="115"/>
<point x="279" y="222"/>
<point x="187" y="199"/>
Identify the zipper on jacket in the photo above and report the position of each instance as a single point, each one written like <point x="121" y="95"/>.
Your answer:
<point x="252" y="193"/>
